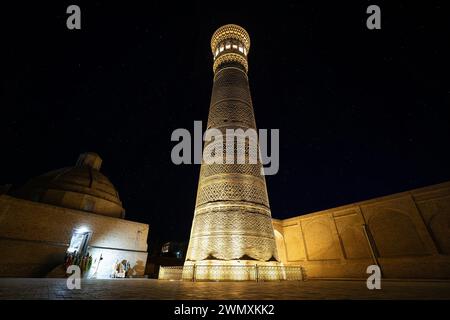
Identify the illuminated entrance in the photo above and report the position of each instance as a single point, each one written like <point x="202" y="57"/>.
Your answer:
<point x="79" y="242"/>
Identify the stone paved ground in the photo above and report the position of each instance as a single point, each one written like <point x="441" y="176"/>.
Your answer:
<point x="158" y="289"/>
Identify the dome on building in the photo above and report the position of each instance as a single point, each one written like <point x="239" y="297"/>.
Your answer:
<point x="82" y="187"/>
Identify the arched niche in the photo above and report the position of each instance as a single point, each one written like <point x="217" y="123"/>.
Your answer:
<point x="281" y="247"/>
<point x="395" y="234"/>
<point x="440" y="228"/>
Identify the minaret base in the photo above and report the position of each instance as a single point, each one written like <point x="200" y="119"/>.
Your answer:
<point x="234" y="270"/>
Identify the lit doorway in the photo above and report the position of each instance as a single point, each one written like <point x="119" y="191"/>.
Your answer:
<point x="79" y="242"/>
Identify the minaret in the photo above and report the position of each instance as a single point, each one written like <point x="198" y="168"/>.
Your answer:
<point x="232" y="221"/>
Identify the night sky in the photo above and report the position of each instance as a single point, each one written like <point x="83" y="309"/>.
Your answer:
<point x="362" y="113"/>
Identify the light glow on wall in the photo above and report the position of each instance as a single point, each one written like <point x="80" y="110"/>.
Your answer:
<point x="82" y="229"/>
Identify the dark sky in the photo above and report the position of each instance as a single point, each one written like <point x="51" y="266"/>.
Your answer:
<point x="362" y="113"/>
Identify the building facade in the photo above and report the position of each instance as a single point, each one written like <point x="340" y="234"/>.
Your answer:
<point x="70" y="211"/>
<point x="232" y="223"/>
<point x="406" y="234"/>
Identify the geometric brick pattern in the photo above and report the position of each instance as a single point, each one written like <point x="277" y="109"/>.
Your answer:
<point x="232" y="217"/>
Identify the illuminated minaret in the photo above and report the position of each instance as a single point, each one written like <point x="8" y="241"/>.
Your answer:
<point x="232" y="221"/>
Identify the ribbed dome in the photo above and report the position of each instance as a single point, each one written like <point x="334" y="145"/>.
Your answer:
<point x="82" y="187"/>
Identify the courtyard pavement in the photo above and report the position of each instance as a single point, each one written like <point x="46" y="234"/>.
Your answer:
<point x="163" y="289"/>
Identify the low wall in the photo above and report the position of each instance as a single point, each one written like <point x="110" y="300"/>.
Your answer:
<point x="34" y="238"/>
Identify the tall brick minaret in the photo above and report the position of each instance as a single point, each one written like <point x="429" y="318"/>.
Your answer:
<point x="232" y="221"/>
